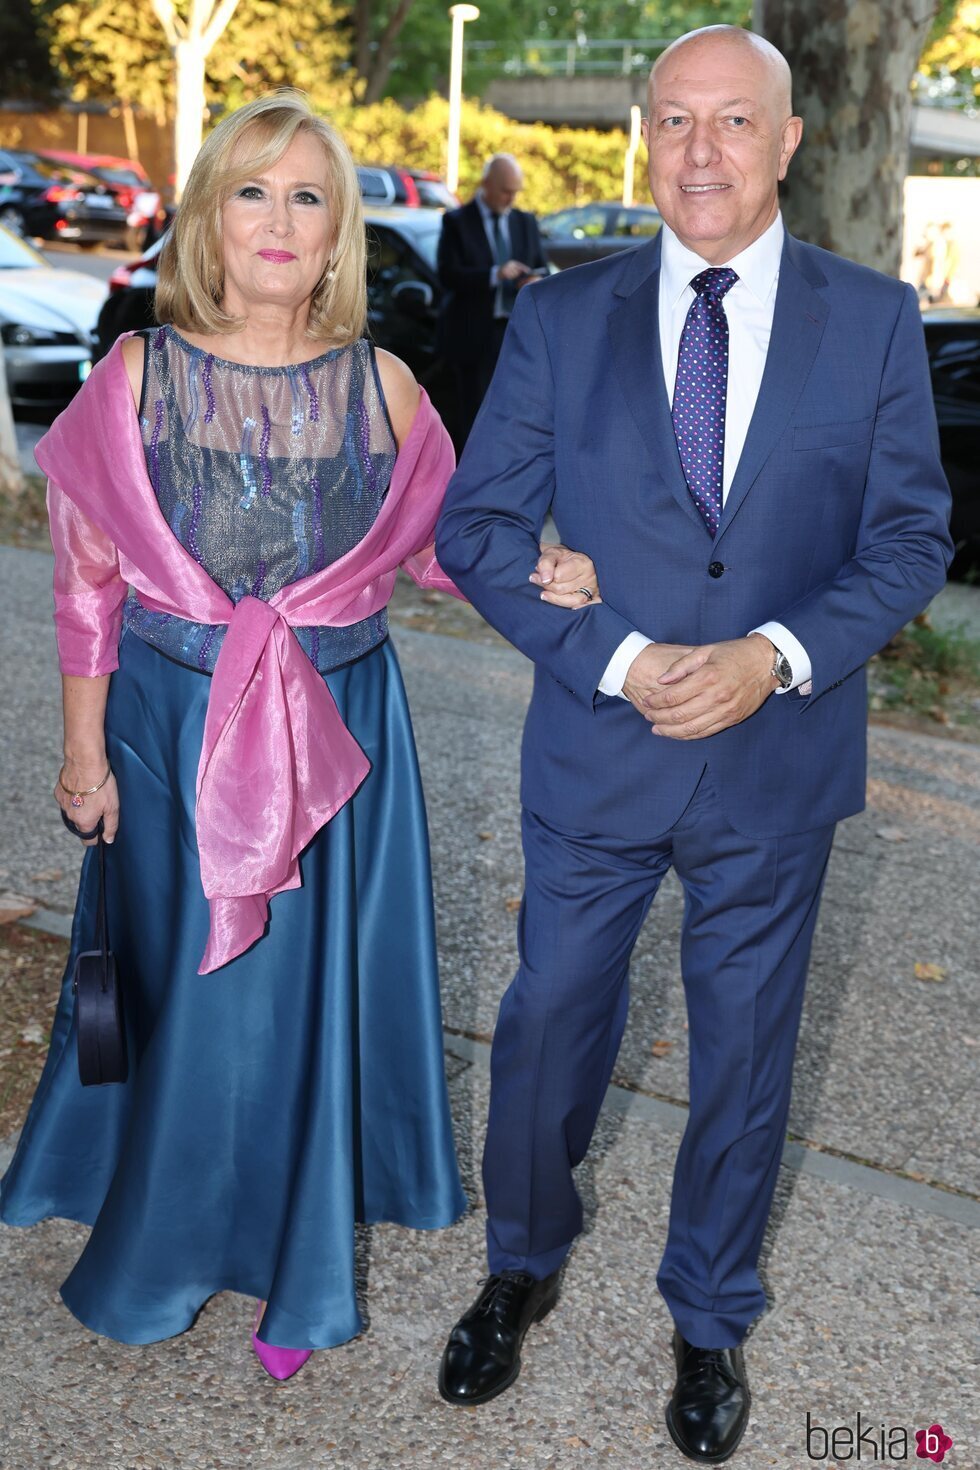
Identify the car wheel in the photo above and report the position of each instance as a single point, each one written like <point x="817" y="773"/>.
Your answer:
<point x="12" y="219"/>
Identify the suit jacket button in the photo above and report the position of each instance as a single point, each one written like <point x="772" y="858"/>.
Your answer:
<point x="716" y="569"/>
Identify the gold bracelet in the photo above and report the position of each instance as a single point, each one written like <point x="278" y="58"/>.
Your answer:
<point x="78" y="797"/>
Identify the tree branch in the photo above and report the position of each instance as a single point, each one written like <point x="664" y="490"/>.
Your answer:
<point x="173" y="27"/>
<point x="381" y="65"/>
<point x="218" y="22"/>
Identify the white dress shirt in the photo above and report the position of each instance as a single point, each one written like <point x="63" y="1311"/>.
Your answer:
<point x="749" y="307"/>
<point x="486" y="214"/>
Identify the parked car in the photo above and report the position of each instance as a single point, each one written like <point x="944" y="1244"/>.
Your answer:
<point x="47" y="322"/>
<point x="415" y="188"/>
<point x="590" y="231"/>
<point x="131" y="185"/>
<point x="53" y="201"/>
<point x="953" y="345"/>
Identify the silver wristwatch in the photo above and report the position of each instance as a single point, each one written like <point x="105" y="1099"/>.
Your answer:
<point x="781" y="668"/>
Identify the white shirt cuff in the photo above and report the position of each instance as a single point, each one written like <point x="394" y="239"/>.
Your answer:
<point x="618" y="666"/>
<point x="799" y="660"/>
<point x="494" y="277"/>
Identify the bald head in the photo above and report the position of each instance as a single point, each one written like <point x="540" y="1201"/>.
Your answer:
<point x="720" y="135"/>
<point x="696" y="47"/>
<point x="502" y="181"/>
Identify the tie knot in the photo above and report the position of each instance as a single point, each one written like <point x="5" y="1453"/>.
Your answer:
<point x="714" y="283"/>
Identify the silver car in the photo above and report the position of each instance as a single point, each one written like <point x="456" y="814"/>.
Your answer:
<point x="47" y="322"/>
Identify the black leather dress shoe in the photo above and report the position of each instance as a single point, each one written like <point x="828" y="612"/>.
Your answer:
<point x="483" y="1354"/>
<point x="710" y="1406"/>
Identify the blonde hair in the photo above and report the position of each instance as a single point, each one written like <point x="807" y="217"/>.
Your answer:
<point x="190" y="283"/>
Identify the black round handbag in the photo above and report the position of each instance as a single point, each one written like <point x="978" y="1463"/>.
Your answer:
<point x="98" y="1005"/>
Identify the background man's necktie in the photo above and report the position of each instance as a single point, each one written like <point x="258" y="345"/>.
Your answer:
<point x="700" y="390"/>
<point x="506" y="290"/>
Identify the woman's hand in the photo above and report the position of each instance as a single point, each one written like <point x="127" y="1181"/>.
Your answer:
<point x="566" y="577"/>
<point x="103" y="803"/>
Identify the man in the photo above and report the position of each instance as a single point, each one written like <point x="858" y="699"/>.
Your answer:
<point x="739" y="428"/>
<point x="487" y="250"/>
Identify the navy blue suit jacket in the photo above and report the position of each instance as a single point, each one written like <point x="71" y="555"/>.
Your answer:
<point x="465" y="260"/>
<point x="835" y="525"/>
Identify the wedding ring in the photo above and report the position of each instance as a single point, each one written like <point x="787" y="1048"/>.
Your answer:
<point x="585" y="592"/>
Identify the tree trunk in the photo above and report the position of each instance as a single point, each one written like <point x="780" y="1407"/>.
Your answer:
<point x="853" y="63"/>
<point x="189" y="59"/>
<point x="379" y="65"/>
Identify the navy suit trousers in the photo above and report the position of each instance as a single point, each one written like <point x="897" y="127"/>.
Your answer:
<point x="750" y="909"/>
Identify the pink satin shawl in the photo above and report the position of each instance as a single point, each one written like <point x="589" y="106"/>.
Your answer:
<point x="277" y="760"/>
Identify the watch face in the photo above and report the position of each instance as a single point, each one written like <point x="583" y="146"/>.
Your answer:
<point x="784" y="672"/>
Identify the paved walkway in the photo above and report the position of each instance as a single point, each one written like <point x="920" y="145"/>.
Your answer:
<point x="866" y="1260"/>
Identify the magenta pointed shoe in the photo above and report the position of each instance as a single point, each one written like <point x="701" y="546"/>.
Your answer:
<point x="279" y="1363"/>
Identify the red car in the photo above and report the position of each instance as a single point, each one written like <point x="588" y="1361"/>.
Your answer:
<point x="128" y="180"/>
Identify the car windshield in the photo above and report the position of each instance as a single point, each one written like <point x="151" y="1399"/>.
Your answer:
<point x="16" y="254"/>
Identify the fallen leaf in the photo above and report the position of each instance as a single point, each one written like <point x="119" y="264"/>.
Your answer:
<point x="512" y="905"/>
<point x="930" y="972"/>
<point x="892" y="834"/>
<point x="46" y="875"/>
<point x="15" y="906"/>
<point x="433" y="597"/>
<point x="576" y="1443"/>
<point x="485" y="836"/>
<point x="662" y="1048"/>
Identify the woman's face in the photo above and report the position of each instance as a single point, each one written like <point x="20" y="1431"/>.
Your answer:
<point x="278" y="232"/>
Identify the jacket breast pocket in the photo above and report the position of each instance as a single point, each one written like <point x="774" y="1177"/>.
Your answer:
<point x="829" y="436"/>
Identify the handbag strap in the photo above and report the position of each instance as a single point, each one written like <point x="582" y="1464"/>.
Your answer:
<point x="101" y="920"/>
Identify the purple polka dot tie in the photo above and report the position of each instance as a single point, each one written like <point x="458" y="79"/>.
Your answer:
<point x="700" y="390"/>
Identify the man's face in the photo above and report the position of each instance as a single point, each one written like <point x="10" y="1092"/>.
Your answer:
<point x="719" y="138"/>
<point x="501" y="187"/>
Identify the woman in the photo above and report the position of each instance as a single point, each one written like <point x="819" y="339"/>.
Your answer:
<point x="286" y="1069"/>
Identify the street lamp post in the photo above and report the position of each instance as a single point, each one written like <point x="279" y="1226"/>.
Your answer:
<point x="460" y="14"/>
<point x="630" y="158"/>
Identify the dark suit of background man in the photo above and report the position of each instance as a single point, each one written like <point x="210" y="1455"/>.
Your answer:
<point x="485" y="251"/>
<point x="738" y="428"/>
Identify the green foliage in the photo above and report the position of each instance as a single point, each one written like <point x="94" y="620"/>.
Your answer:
<point x="25" y="62"/>
<point x="422" y="61"/>
<point x="954" y="44"/>
<point x="561" y="165"/>
<point x="116" y="49"/>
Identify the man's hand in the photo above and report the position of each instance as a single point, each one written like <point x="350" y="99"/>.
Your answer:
<point x="565" y="576"/>
<point x="646" y="670"/>
<point x="512" y="269"/>
<point x="711" y="688"/>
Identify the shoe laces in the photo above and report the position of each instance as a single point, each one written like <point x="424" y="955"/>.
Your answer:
<point x="501" y="1289"/>
<point x="715" y="1358"/>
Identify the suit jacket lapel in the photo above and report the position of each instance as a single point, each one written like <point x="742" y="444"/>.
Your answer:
<point x="797" y="327"/>
<point x="634" y="332"/>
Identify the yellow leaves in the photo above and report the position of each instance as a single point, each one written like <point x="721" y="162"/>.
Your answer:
<point x="662" y="1048"/>
<point x="933" y="973"/>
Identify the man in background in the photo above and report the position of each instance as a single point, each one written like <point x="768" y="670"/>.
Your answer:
<point x="487" y="251"/>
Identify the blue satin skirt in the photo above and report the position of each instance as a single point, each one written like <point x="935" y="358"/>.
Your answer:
<point x="276" y="1101"/>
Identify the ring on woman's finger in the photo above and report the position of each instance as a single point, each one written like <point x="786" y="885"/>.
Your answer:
<point x="585" y="592"/>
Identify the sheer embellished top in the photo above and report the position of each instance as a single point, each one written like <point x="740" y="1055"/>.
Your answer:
<point x="264" y="475"/>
